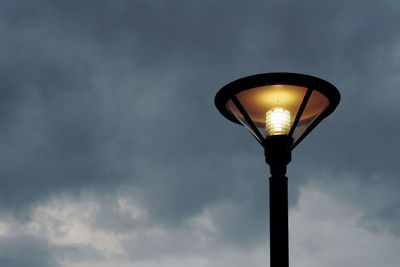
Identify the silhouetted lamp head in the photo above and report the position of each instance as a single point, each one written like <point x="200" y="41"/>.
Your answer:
<point x="278" y="104"/>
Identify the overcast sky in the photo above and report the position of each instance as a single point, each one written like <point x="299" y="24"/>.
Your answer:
<point x="113" y="154"/>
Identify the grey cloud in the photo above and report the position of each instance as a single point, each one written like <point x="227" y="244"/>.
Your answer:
<point x="25" y="251"/>
<point x="107" y="96"/>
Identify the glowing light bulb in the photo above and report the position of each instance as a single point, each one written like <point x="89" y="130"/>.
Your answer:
<point x="277" y="121"/>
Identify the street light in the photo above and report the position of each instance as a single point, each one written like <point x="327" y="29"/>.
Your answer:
<point x="280" y="110"/>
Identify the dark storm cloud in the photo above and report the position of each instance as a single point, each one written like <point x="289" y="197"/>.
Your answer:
<point x="25" y="251"/>
<point x="107" y="94"/>
<point x="55" y="135"/>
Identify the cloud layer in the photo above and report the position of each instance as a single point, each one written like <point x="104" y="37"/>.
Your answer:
<point x="112" y="150"/>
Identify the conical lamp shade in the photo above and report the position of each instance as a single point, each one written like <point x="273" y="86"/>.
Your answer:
<point x="278" y="104"/>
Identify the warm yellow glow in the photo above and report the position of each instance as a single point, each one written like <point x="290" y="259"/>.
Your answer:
<point x="277" y="121"/>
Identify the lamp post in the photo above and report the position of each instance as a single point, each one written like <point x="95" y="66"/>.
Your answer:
<point x="279" y="110"/>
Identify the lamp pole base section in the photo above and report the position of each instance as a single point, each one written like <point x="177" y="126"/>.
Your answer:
<point x="278" y="155"/>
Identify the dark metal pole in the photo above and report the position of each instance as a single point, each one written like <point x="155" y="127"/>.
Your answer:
<point x="278" y="155"/>
<point x="278" y="221"/>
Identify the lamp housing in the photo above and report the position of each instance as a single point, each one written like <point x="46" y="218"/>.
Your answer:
<point x="278" y="104"/>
